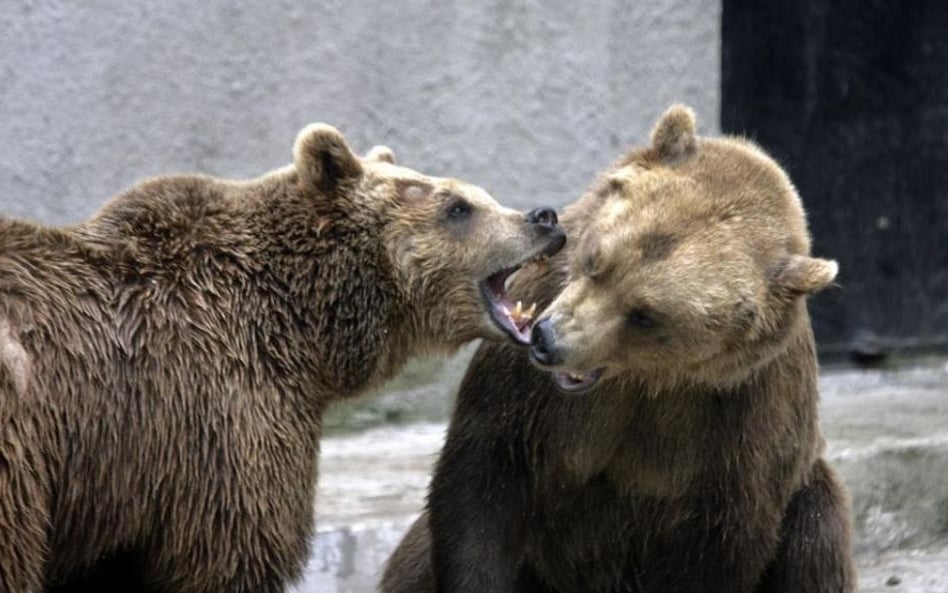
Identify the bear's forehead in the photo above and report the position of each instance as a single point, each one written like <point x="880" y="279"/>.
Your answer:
<point x="382" y="170"/>
<point x="656" y="210"/>
<point x="674" y="232"/>
<point x="693" y="202"/>
<point x="404" y="178"/>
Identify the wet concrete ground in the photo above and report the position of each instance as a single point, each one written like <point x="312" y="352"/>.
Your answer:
<point x="887" y="435"/>
<point x="905" y="571"/>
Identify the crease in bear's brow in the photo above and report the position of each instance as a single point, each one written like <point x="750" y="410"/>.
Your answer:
<point x="611" y="186"/>
<point x="657" y="245"/>
<point x="450" y="195"/>
<point x="591" y="261"/>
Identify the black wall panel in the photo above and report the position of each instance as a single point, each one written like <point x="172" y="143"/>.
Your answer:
<point x="852" y="98"/>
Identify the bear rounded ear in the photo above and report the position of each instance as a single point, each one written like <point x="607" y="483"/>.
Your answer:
<point x="382" y="154"/>
<point x="673" y="137"/>
<point x="323" y="158"/>
<point x="800" y="274"/>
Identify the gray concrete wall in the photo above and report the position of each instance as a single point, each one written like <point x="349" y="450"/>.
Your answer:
<point x="528" y="99"/>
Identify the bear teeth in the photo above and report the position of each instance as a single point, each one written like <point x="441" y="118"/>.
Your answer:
<point x="521" y="316"/>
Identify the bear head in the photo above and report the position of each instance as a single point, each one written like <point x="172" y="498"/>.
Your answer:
<point x="450" y="245"/>
<point x="689" y="262"/>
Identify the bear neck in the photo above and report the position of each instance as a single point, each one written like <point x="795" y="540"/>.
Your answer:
<point x="784" y="363"/>
<point x="696" y="439"/>
<point x="294" y="287"/>
<point x="333" y="292"/>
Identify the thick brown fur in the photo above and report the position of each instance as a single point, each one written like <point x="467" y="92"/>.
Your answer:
<point x="694" y="465"/>
<point x="165" y="364"/>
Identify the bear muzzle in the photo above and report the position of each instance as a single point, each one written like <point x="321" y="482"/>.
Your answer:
<point x="545" y="354"/>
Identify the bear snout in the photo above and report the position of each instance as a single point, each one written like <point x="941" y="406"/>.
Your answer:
<point x="544" y="218"/>
<point x="545" y="224"/>
<point x="543" y="350"/>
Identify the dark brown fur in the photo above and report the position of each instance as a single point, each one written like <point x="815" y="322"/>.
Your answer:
<point x="672" y="475"/>
<point x="164" y="365"/>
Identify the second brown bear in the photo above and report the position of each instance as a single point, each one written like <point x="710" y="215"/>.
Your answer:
<point x="670" y="441"/>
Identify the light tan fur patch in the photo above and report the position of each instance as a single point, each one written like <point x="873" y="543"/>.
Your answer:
<point x="14" y="357"/>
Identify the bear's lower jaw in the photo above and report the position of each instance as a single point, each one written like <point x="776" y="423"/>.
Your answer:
<point x="516" y="320"/>
<point x="513" y="320"/>
<point x="576" y="382"/>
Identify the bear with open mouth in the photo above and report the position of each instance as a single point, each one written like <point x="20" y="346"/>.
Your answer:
<point x="164" y="365"/>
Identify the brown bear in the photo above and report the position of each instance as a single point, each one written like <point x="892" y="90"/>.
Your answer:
<point x="165" y="364"/>
<point x="665" y="437"/>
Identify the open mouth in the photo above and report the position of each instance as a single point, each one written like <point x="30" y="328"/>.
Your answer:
<point x="513" y="319"/>
<point x="575" y="382"/>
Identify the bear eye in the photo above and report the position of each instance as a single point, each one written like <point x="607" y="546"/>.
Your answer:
<point x="641" y="317"/>
<point x="459" y="209"/>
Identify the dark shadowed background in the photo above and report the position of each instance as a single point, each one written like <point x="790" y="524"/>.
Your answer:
<point x="852" y="97"/>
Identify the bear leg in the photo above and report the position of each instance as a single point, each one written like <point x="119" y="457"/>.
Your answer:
<point x="243" y="557"/>
<point x="815" y="553"/>
<point x="122" y="571"/>
<point x="409" y="569"/>
<point x="24" y="521"/>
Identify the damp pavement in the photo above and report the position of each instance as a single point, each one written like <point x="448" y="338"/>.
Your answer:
<point x="886" y="432"/>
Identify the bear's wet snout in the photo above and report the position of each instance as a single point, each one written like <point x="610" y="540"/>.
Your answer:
<point x="545" y="224"/>
<point x="544" y="218"/>
<point x="543" y="349"/>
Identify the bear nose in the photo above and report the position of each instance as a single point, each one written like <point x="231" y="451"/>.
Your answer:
<point x="542" y="348"/>
<point x="543" y="217"/>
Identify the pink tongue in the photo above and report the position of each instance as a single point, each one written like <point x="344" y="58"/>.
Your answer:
<point x="572" y="377"/>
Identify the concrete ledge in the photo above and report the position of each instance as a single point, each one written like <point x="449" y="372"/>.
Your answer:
<point x="900" y="495"/>
<point x="907" y="571"/>
<point x="887" y="435"/>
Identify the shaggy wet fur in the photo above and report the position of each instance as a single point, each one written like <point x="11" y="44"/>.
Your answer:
<point x="164" y="365"/>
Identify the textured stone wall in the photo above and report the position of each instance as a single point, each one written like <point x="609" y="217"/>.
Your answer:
<point x="527" y="98"/>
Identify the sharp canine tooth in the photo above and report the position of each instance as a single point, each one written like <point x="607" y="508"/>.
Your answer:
<point x="529" y="312"/>
<point x="518" y="311"/>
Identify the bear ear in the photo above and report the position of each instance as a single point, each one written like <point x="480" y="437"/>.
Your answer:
<point x="800" y="274"/>
<point x="382" y="154"/>
<point x="673" y="137"/>
<point x="323" y="158"/>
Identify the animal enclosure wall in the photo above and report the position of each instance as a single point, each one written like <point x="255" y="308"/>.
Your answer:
<point x="852" y="98"/>
<point x="528" y="99"/>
